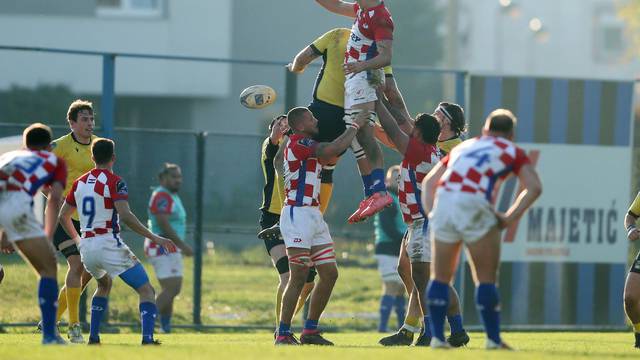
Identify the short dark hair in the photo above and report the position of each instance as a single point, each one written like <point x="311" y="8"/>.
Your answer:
<point x="276" y="119"/>
<point x="455" y="114"/>
<point x="166" y="167"/>
<point x="295" y="115"/>
<point x="77" y="106"/>
<point x="37" y="136"/>
<point x="429" y="128"/>
<point x="501" y="121"/>
<point x="102" y="150"/>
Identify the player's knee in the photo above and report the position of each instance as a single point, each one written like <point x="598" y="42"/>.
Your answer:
<point x="146" y="291"/>
<point x="104" y="284"/>
<point x="75" y="265"/>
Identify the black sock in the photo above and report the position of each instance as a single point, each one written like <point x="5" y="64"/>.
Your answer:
<point x="637" y="335"/>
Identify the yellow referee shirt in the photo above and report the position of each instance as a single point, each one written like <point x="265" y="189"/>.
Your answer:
<point x="329" y="85"/>
<point x="77" y="157"/>
<point x="447" y="145"/>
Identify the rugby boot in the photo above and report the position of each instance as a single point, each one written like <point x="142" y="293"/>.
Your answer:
<point x="423" y="340"/>
<point x="439" y="344"/>
<point x="93" y="341"/>
<point x="403" y="337"/>
<point x="314" y="338"/>
<point x="152" y="342"/>
<point x="288" y="339"/>
<point x="56" y="340"/>
<point x="270" y="233"/>
<point x="458" y="339"/>
<point x="376" y="203"/>
<point x="75" y="334"/>
<point x="491" y="345"/>
<point x="355" y="217"/>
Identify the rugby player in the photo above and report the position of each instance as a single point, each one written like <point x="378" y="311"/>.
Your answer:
<point x="75" y="149"/>
<point x="632" y="283"/>
<point x="389" y="230"/>
<point x="22" y="174"/>
<point x="305" y="233"/>
<point x="102" y="199"/>
<point x="420" y="155"/>
<point x="272" y="202"/>
<point x="452" y="125"/>
<point x="464" y="182"/>
<point x="327" y="104"/>
<point x="368" y="50"/>
<point x="167" y="217"/>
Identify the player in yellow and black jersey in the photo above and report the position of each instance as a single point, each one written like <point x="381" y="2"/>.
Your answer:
<point x="75" y="149"/>
<point x="452" y="125"/>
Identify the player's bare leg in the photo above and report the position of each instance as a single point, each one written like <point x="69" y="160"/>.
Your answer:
<point x="420" y="272"/>
<point x="169" y="289"/>
<point x="299" y="261"/>
<point x="40" y="254"/>
<point x="484" y="255"/>
<point x="632" y="303"/>
<point x="443" y="266"/>
<point x="328" y="275"/>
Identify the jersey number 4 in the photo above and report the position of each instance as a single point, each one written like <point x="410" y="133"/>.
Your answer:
<point x="481" y="155"/>
<point x="89" y="210"/>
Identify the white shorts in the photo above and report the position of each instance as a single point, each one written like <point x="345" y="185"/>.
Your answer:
<point x="388" y="268"/>
<point x="417" y="242"/>
<point x="358" y="88"/>
<point x="167" y="265"/>
<point x="17" y="217"/>
<point x="303" y="227"/>
<point x="105" y="255"/>
<point x="460" y="217"/>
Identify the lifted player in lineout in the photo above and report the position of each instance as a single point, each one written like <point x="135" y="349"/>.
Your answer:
<point x="369" y="49"/>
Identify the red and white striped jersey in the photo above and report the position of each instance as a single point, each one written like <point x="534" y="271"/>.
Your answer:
<point x="418" y="160"/>
<point x="301" y="172"/>
<point x="477" y="164"/>
<point x="371" y="25"/>
<point x="29" y="170"/>
<point x="94" y="194"/>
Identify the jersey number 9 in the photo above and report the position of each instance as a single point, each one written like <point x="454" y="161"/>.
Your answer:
<point x="89" y="209"/>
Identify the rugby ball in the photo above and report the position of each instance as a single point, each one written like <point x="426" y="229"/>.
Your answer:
<point x="257" y="96"/>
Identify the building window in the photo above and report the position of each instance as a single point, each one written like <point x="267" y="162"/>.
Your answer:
<point x="609" y="39"/>
<point x="130" y="8"/>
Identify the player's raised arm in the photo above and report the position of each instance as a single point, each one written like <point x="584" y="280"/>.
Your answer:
<point x="129" y="218"/>
<point x="631" y="218"/>
<point x="532" y="189"/>
<point x="338" y="7"/>
<point x="430" y="183"/>
<point x="326" y="151"/>
<point x="390" y="126"/>
<point x="394" y="101"/>
<point x="304" y="58"/>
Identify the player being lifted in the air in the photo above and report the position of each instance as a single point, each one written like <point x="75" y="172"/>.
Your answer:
<point x="369" y="49"/>
<point x="102" y="198"/>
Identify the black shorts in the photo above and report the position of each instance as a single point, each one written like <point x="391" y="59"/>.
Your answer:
<point x="61" y="236"/>
<point x="635" y="266"/>
<point x="330" y="120"/>
<point x="267" y="220"/>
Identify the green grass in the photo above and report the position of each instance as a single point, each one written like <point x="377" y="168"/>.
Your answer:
<point x="348" y="346"/>
<point x="238" y="289"/>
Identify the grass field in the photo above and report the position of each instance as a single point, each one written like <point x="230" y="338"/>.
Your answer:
<point x="564" y="345"/>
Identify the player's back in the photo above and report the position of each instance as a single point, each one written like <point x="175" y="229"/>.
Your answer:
<point x="301" y="172"/>
<point x="419" y="159"/>
<point x="94" y="195"/>
<point x="28" y="170"/>
<point x="475" y="166"/>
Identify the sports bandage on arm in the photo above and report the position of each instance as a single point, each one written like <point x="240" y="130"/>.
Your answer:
<point x="324" y="256"/>
<point x="357" y="149"/>
<point x="351" y="114"/>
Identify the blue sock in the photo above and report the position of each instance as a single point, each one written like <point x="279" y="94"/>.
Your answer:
<point x="311" y="325"/>
<point x="438" y="299"/>
<point x="284" y="329"/>
<point x="165" y="323"/>
<point x="98" y="308"/>
<point x="386" y="304"/>
<point x="400" y="307"/>
<point x="377" y="181"/>
<point x="488" y="304"/>
<point x="427" y="326"/>
<point x="148" y="312"/>
<point x="366" y="183"/>
<point x="455" y="323"/>
<point x="48" y="300"/>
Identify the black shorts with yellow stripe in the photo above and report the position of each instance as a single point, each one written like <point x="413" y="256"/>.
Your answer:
<point x="61" y="236"/>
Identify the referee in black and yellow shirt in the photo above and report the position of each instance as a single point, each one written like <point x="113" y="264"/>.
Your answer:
<point x="75" y="149"/>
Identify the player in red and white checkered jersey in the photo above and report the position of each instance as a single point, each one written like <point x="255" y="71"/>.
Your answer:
<point x="22" y="174"/>
<point x="460" y="190"/>
<point x="420" y="155"/>
<point x="303" y="229"/>
<point x="369" y="49"/>
<point x="102" y="199"/>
